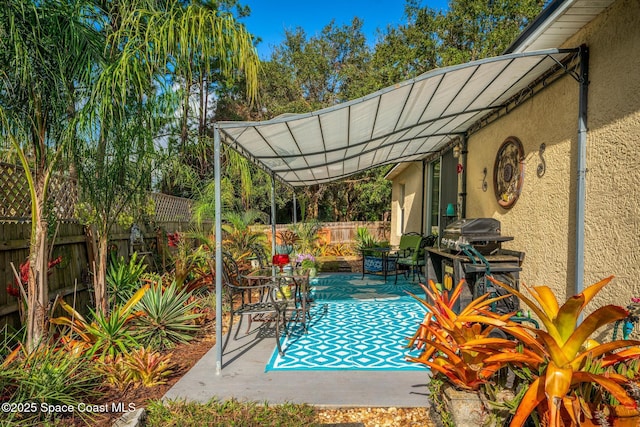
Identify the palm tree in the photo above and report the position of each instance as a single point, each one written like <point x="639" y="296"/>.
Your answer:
<point x="150" y="45"/>
<point x="48" y="50"/>
<point x="239" y="237"/>
<point x="78" y="70"/>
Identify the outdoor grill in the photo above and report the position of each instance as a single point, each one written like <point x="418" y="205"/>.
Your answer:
<point x="481" y="233"/>
<point x="471" y="249"/>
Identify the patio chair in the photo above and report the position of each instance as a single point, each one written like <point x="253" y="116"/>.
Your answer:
<point x="259" y="254"/>
<point x="411" y="256"/>
<point x="239" y="296"/>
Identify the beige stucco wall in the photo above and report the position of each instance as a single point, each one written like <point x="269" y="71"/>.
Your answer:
<point x="543" y="219"/>
<point x="411" y="177"/>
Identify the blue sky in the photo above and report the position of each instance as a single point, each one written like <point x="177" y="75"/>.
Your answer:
<point x="270" y="18"/>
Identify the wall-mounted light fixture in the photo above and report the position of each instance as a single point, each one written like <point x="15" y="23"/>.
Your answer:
<point x="456" y="151"/>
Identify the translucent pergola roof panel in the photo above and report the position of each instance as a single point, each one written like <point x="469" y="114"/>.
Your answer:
<point x="404" y="122"/>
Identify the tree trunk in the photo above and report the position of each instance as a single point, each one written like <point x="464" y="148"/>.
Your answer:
<point x="38" y="287"/>
<point x="100" y="281"/>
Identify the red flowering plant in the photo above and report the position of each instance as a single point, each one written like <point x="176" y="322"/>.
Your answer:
<point x="14" y="289"/>
<point x="24" y="275"/>
<point x="173" y="239"/>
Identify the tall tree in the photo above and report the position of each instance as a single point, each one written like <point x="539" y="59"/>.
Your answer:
<point x="408" y="50"/>
<point x="307" y="74"/>
<point x="47" y="52"/>
<point x="82" y="70"/>
<point x="150" y="45"/>
<point x="475" y="29"/>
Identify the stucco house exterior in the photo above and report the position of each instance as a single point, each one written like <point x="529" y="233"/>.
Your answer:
<point x="577" y="213"/>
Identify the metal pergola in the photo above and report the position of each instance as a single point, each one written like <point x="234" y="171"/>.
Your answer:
<point x="402" y="123"/>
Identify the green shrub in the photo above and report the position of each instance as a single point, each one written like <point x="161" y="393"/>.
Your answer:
<point x="47" y="379"/>
<point x="111" y="333"/>
<point x="107" y="335"/>
<point x="167" y="317"/>
<point x="365" y="240"/>
<point x="123" y="278"/>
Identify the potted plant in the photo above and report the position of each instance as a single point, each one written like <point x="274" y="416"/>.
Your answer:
<point x="571" y="380"/>
<point x="307" y="262"/>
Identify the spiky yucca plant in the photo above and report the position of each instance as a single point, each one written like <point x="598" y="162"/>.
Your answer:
<point x="167" y="318"/>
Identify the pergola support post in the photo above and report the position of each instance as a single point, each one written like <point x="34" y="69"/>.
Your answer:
<point x="462" y="183"/>
<point x="295" y="208"/>
<point x="218" y="252"/>
<point x="273" y="216"/>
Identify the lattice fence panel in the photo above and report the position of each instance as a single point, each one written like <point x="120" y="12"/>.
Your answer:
<point x="171" y="208"/>
<point x="63" y="192"/>
<point x="15" y="203"/>
<point x="14" y="192"/>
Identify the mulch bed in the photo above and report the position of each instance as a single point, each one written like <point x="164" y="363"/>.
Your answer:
<point x="187" y="355"/>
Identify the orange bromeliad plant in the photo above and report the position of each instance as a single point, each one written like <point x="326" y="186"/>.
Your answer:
<point x="447" y="332"/>
<point x="559" y="354"/>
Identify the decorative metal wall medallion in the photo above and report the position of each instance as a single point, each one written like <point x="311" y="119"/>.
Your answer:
<point x="508" y="172"/>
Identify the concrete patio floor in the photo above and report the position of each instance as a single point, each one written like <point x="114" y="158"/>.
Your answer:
<point x="244" y="378"/>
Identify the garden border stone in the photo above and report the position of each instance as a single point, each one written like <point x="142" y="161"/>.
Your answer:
<point x="132" y="419"/>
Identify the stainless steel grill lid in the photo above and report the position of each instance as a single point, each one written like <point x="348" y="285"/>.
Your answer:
<point x="482" y="233"/>
<point x="474" y="226"/>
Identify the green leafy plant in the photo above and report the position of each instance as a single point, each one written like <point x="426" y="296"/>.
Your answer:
<point x="167" y="318"/>
<point x="307" y="235"/>
<point x="108" y="334"/>
<point x="239" y="236"/>
<point x="123" y="278"/>
<point x="112" y="334"/>
<point x="365" y="240"/>
<point x="190" y="261"/>
<point x="49" y="376"/>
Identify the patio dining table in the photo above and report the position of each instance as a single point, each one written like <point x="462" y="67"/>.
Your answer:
<point x="288" y="286"/>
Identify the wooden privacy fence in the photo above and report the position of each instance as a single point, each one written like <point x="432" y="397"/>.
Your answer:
<point x="339" y="232"/>
<point x="345" y="232"/>
<point x="71" y="278"/>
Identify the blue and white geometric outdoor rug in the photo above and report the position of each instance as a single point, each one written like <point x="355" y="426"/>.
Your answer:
<point x="355" y="324"/>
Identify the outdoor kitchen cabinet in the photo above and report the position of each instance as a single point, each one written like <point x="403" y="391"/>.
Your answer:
<point x="449" y="268"/>
<point x="469" y="249"/>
